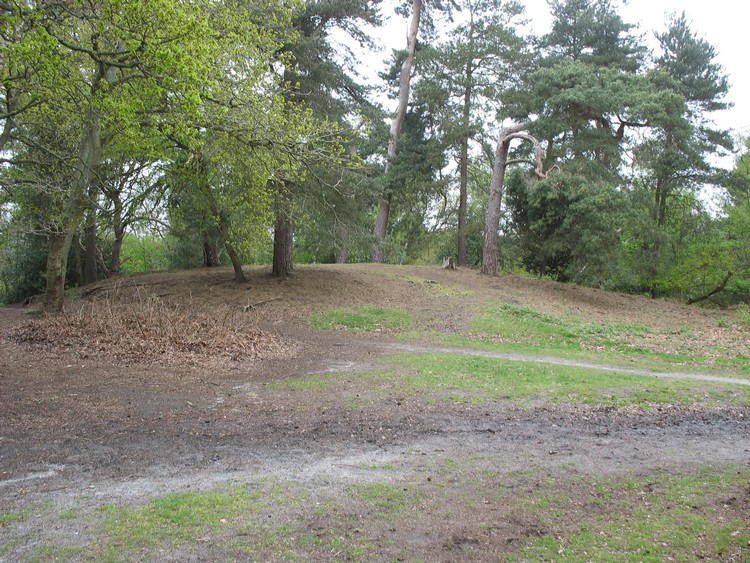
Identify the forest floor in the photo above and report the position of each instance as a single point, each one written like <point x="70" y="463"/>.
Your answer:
<point x="158" y="396"/>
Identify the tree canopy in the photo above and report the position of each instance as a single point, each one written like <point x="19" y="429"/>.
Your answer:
<point x="242" y="132"/>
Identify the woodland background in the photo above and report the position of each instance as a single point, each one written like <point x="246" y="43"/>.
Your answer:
<point x="158" y="134"/>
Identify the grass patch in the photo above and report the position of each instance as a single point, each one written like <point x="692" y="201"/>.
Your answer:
<point x="478" y="379"/>
<point x="742" y="316"/>
<point x="364" y="319"/>
<point x="661" y="517"/>
<point x="45" y="553"/>
<point x="175" y="519"/>
<point x="306" y="383"/>
<point x="517" y="329"/>
<point x="388" y="499"/>
<point x="69" y="515"/>
<point x="9" y="518"/>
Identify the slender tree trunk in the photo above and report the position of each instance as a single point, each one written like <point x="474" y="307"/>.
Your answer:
<point x="283" y="233"/>
<point x="59" y="243"/>
<point x="89" y="158"/>
<point x="10" y="122"/>
<point x="381" y="223"/>
<point x="342" y="253"/>
<point x="118" y="227"/>
<point x="463" y="196"/>
<point x="78" y="252"/>
<point x="492" y="222"/>
<point x="90" y="273"/>
<point x="115" y="263"/>
<point x="239" y="275"/>
<point x="58" y="247"/>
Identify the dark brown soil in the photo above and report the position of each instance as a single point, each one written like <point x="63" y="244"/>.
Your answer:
<point x="123" y="420"/>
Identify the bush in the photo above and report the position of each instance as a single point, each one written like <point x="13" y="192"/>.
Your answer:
<point x="23" y="264"/>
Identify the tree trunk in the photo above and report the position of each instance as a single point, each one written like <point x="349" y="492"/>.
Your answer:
<point x="10" y="106"/>
<point x="381" y="223"/>
<point x="463" y="197"/>
<point x="463" y="200"/>
<point x="90" y="274"/>
<point x="211" y="254"/>
<point x="59" y="243"/>
<point x="58" y="247"/>
<point x="718" y="289"/>
<point x="492" y="222"/>
<point x="283" y="234"/>
<point x="89" y="158"/>
<point x="118" y="227"/>
<point x="239" y="275"/>
<point x="116" y="262"/>
<point x="283" y="246"/>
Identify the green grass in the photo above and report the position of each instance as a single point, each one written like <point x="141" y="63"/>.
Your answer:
<point x="387" y="497"/>
<point x="529" y="514"/>
<point x="742" y="316"/>
<point x="174" y="519"/>
<point x="655" y="518"/>
<point x="365" y="319"/>
<point x="523" y="330"/>
<point x="9" y="518"/>
<point x="47" y="553"/>
<point x="477" y="380"/>
<point x="314" y="382"/>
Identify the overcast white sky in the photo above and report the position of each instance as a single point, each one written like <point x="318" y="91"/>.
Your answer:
<point x="720" y="22"/>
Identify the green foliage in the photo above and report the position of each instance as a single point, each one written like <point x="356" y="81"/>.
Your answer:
<point x="145" y="253"/>
<point x="565" y="227"/>
<point x="23" y="261"/>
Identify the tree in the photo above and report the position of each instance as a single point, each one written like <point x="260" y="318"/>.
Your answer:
<point x="137" y="71"/>
<point x="675" y="157"/>
<point x="321" y="79"/>
<point x="464" y="78"/>
<point x="500" y="164"/>
<point x="407" y="67"/>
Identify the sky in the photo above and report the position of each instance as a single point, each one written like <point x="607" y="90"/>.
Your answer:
<point x="720" y="22"/>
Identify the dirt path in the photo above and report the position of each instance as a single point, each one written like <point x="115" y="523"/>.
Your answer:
<point x="82" y="430"/>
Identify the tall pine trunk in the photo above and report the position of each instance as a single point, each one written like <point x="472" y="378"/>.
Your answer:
<point x="463" y="196"/>
<point x="90" y="273"/>
<point x="283" y="234"/>
<point x="384" y="211"/>
<point x="492" y="222"/>
<point x="283" y="246"/>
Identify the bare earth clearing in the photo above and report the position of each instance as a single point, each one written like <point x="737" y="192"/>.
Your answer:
<point x="111" y="420"/>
